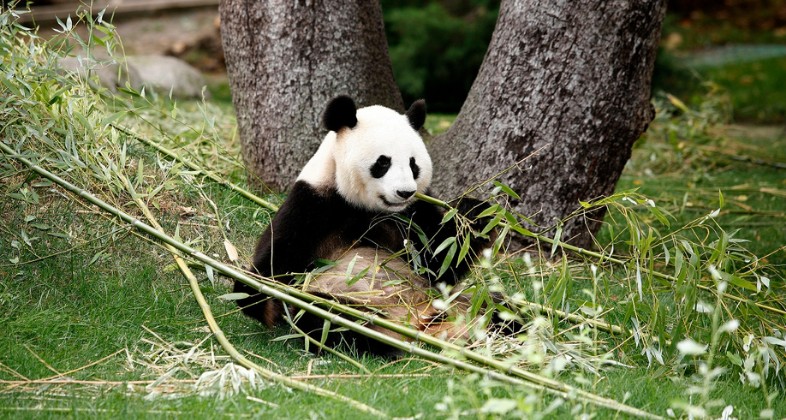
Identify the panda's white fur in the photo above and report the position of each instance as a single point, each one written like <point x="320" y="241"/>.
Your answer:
<point x="344" y="158"/>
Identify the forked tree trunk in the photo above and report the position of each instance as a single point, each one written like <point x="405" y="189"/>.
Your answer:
<point x="568" y="79"/>
<point x="285" y="60"/>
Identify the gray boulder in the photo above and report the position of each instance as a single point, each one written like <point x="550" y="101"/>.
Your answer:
<point x="164" y="74"/>
<point x="159" y="73"/>
<point x="109" y="74"/>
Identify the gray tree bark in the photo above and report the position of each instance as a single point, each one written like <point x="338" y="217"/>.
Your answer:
<point x="568" y="79"/>
<point x="285" y="60"/>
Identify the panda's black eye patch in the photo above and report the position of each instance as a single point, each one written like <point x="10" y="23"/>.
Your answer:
<point x="380" y="167"/>
<point x="415" y="168"/>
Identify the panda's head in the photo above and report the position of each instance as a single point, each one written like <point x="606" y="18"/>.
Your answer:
<point x="380" y="159"/>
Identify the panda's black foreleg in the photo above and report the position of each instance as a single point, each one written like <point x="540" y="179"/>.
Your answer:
<point x="289" y="245"/>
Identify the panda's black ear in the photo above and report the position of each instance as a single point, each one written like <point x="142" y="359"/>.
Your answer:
<point x="417" y="114"/>
<point x="340" y="112"/>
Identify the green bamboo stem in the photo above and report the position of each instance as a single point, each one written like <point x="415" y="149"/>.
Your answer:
<point x="210" y="174"/>
<point x="218" y="333"/>
<point x="501" y="372"/>
<point x="431" y="200"/>
<point x="582" y="251"/>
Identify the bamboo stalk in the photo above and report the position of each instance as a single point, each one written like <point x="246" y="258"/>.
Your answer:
<point x="583" y="251"/>
<point x="501" y="370"/>
<point x="219" y="333"/>
<point x="601" y="325"/>
<point x="540" y="382"/>
<point x="210" y="174"/>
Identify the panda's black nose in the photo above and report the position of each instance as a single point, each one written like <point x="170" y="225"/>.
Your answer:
<point x="405" y="194"/>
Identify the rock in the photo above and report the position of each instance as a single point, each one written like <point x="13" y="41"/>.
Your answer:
<point x="164" y="74"/>
<point x="110" y="74"/>
<point x="160" y="73"/>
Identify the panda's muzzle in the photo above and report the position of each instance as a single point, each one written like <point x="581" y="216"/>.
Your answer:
<point x="394" y="205"/>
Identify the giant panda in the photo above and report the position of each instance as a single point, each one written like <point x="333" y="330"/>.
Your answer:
<point x="353" y="206"/>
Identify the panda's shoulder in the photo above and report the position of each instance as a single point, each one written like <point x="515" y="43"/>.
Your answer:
<point x="308" y="201"/>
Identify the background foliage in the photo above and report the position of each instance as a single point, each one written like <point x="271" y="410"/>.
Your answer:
<point x="437" y="49"/>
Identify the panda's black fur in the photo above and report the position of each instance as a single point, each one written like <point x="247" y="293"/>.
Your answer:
<point x="316" y="222"/>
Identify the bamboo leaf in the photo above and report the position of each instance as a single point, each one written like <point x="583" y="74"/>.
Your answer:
<point x="231" y="297"/>
<point x="325" y="332"/>
<point x="464" y="249"/>
<point x="140" y="177"/>
<point x="448" y="259"/>
<point x="209" y="271"/>
<point x="557" y="236"/>
<point x="448" y="216"/>
<point x="491" y="224"/>
<point x="26" y="238"/>
<point x="737" y="281"/>
<point x="498" y="406"/>
<point x="112" y="118"/>
<point x="358" y="276"/>
<point x="351" y="266"/>
<point x="678" y="259"/>
<point x="507" y="190"/>
<point x="231" y="250"/>
<point x="40" y="226"/>
<point x="666" y="254"/>
<point x="489" y="211"/>
<point x="286" y="337"/>
<point x="446" y="243"/>
<point x="659" y="214"/>
<point x="521" y="230"/>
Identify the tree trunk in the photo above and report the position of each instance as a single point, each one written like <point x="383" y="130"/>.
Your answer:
<point x="285" y="60"/>
<point x="569" y="81"/>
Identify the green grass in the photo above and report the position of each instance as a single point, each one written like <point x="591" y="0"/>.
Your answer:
<point x="742" y="53"/>
<point x="742" y="162"/>
<point x="756" y="89"/>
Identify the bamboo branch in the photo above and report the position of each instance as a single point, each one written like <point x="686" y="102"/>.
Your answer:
<point x="500" y="372"/>
<point x="583" y="251"/>
<point x="210" y="174"/>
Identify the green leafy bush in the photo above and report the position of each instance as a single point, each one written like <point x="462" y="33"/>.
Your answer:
<point x="437" y="49"/>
